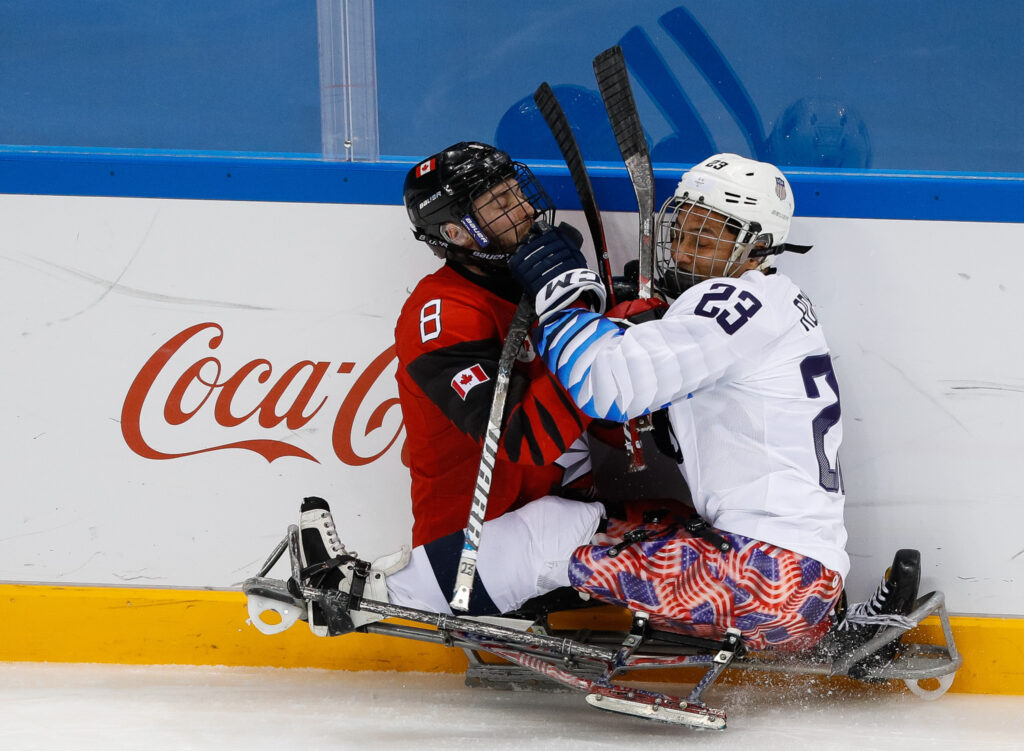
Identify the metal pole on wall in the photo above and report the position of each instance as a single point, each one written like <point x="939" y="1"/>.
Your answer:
<point x="348" y="80"/>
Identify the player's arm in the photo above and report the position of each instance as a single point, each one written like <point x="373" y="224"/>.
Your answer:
<point x="457" y="370"/>
<point x="617" y="374"/>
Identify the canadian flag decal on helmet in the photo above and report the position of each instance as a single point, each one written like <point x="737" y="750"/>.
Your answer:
<point x="466" y="379"/>
<point x="425" y="167"/>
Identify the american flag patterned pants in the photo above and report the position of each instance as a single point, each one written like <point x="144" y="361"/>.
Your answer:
<point x="778" y="599"/>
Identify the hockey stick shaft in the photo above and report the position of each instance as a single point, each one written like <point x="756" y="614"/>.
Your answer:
<point x="613" y="82"/>
<point x="561" y="129"/>
<point x="517" y="332"/>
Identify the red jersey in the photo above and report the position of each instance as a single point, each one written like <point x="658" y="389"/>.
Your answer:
<point x="449" y="338"/>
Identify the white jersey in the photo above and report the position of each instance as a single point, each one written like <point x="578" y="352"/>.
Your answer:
<point x="744" y="371"/>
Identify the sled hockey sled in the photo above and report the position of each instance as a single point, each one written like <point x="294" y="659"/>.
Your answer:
<point x="539" y="657"/>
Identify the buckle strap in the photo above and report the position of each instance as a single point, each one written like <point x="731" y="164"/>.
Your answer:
<point x="632" y="536"/>
<point x="360" y="571"/>
<point x="315" y="569"/>
<point x="697" y="527"/>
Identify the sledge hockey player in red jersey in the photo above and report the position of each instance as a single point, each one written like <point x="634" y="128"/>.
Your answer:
<point x="473" y="206"/>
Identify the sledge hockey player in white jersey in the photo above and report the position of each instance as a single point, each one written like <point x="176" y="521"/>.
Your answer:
<point x="740" y="366"/>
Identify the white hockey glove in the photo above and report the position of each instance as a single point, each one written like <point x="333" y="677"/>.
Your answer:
<point x="564" y="290"/>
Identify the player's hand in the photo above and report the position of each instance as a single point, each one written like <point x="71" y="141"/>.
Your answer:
<point x="632" y="312"/>
<point x="551" y="267"/>
<point x="547" y="254"/>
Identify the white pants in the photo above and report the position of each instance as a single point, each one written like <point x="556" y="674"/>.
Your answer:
<point x="523" y="554"/>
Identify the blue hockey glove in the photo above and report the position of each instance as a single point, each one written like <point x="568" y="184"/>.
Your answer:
<point x="551" y="267"/>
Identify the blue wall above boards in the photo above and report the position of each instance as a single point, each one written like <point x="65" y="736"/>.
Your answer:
<point x="307" y="179"/>
<point x="167" y="74"/>
<point x="913" y="85"/>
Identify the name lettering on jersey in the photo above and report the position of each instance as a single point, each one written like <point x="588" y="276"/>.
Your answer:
<point x="808" y="319"/>
<point x="467" y="379"/>
<point x="430" y="321"/>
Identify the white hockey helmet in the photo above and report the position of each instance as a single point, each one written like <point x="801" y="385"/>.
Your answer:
<point x="755" y="200"/>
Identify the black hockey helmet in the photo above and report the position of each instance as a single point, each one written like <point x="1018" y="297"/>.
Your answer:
<point x="481" y="189"/>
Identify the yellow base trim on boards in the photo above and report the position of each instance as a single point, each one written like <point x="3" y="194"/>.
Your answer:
<point x="153" y="626"/>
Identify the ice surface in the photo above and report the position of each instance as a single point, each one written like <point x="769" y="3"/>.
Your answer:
<point x="87" y="707"/>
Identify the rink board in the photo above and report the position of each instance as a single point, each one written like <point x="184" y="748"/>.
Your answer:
<point x="178" y="374"/>
<point x="202" y="627"/>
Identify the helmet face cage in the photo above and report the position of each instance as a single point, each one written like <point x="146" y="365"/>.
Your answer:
<point x="501" y="212"/>
<point x="691" y="241"/>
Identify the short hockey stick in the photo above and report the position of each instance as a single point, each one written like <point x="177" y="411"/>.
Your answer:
<point x="517" y="332"/>
<point x="560" y="128"/>
<point x="613" y="81"/>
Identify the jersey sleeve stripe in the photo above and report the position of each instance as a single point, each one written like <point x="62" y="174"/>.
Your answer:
<point x="567" y="344"/>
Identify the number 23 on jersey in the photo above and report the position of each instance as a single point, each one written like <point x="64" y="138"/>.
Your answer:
<point x="729" y="309"/>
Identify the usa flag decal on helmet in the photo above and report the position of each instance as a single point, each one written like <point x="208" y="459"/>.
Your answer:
<point x="780" y="188"/>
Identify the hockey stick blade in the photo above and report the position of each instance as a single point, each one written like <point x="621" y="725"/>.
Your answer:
<point x="466" y="571"/>
<point x="558" y="124"/>
<point x="613" y="82"/>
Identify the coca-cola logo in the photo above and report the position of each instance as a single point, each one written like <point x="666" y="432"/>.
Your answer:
<point x="186" y="394"/>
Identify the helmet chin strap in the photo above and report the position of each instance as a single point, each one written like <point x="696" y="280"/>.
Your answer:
<point x="466" y="259"/>
<point x="673" y="282"/>
<point x="739" y="256"/>
<point x="779" y="249"/>
<point x="488" y="259"/>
